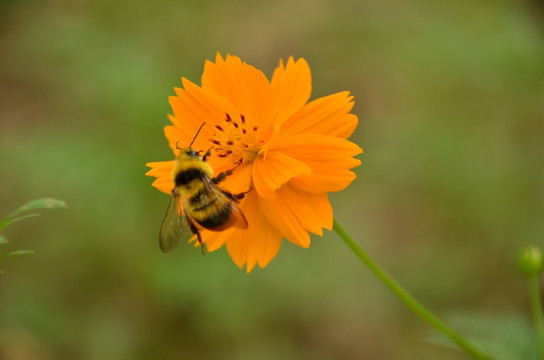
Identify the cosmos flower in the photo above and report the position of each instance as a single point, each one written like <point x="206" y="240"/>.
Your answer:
<point x="288" y="151"/>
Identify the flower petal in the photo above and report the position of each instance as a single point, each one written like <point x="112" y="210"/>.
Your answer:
<point x="239" y="181"/>
<point x="194" y="106"/>
<point x="291" y="86"/>
<point x="328" y="157"/>
<point x="246" y="87"/>
<point x="214" y="240"/>
<point x="280" y="214"/>
<point x="164" y="185"/>
<point x="258" y="244"/>
<point x="315" y="183"/>
<point x="175" y="136"/>
<point x="328" y="115"/>
<point x="273" y="169"/>
<point x="314" y="211"/>
<point x="162" y="170"/>
<point x="237" y="248"/>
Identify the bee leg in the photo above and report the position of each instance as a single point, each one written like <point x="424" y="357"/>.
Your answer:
<point x="197" y="233"/>
<point x="222" y="176"/>
<point x="241" y="195"/>
<point x="208" y="153"/>
<point x="201" y="243"/>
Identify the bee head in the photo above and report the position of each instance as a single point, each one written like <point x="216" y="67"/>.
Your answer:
<point x="190" y="152"/>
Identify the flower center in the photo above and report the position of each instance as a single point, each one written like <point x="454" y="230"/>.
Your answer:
<point x="237" y="140"/>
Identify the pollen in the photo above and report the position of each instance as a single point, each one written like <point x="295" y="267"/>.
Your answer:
<point x="233" y="138"/>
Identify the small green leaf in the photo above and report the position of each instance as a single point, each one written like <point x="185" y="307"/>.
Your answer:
<point x="16" y="253"/>
<point x="8" y="222"/>
<point x="46" y="203"/>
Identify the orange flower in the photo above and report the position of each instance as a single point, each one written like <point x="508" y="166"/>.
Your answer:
<point x="289" y="152"/>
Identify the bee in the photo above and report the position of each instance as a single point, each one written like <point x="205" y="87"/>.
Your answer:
<point x="197" y="202"/>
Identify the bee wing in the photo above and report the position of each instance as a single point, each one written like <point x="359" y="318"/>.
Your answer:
<point x="174" y="226"/>
<point x="237" y="218"/>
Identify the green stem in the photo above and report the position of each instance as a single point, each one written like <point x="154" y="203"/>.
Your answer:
<point x="405" y="297"/>
<point x="538" y="318"/>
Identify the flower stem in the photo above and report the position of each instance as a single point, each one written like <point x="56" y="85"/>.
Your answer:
<point x="405" y="297"/>
<point x="536" y="307"/>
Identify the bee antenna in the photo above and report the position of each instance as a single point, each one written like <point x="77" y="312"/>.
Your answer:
<point x="200" y="128"/>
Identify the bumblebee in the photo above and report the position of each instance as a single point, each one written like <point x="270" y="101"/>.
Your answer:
<point x="197" y="202"/>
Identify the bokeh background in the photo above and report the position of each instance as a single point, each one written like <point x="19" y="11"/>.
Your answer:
<point x="450" y="101"/>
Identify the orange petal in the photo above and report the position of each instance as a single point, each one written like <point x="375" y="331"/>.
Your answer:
<point x="259" y="243"/>
<point x="164" y="185"/>
<point x="270" y="243"/>
<point x="273" y="170"/>
<point x="214" y="240"/>
<point x="328" y="115"/>
<point x="246" y="87"/>
<point x="219" y="164"/>
<point x="162" y="170"/>
<point x="314" y="211"/>
<point x="280" y="214"/>
<point x="237" y="249"/>
<point x="186" y="121"/>
<point x="319" y="183"/>
<point x="291" y="86"/>
<point x="328" y="157"/>
<point x="175" y="137"/>
<point x="195" y="106"/>
<point x="239" y="181"/>
<point x="313" y="146"/>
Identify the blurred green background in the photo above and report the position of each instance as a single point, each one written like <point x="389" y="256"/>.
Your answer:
<point x="450" y="98"/>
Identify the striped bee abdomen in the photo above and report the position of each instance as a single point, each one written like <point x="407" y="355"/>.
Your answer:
<point x="221" y="215"/>
<point x="204" y="203"/>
